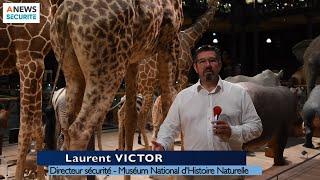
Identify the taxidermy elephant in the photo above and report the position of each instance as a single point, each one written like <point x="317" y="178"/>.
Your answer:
<point x="276" y="107"/>
<point x="265" y="78"/>
<point x="312" y="63"/>
<point x="310" y="115"/>
<point x="299" y="49"/>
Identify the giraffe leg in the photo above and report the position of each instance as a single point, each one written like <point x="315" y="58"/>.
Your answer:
<point x="58" y="134"/>
<point x="142" y="117"/>
<point x="103" y="65"/>
<point x="31" y="74"/>
<point x="64" y="49"/>
<point x="166" y="80"/>
<point x="38" y="120"/>
<point x="92" y="109"/>
<point x="121" y="138"/>
<point x="99" y="133"/>
<point x="75" y="85"/>
<point x="156" y="116"/>
<point x="39" y="141"/>
<point x="141" y="123"/>
<point x="98" y="95"/>
<point x="145" y="138"/>
<point x="23" y="146"/>
<point x="131" y="117"/>
<point x="81" y="130"/>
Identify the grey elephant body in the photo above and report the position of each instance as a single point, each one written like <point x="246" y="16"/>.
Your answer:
<point x="265" y="78"/>
<point x="312" y="63"/>
<point x="310" y="111"/>
<point x="276" y="107"/>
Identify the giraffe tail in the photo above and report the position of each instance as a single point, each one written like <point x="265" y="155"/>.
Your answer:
<point x="59" y="33"/>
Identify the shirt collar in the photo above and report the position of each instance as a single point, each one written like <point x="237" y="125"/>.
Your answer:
<point x="218" y="88"/>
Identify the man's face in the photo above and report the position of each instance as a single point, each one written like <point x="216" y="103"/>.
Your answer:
<point x="207" y="65"/>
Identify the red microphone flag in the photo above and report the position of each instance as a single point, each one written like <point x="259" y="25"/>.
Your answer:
<point x="217" y="110"/>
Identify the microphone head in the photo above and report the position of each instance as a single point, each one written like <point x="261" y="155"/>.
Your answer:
<point x="217" y="110"/>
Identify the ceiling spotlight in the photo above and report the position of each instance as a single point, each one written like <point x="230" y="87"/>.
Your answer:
<point x="253" y="1"/>
<point x="268" y="41"/>
<point x="215" y="41"/>
<point x="249" y="1"/>
<point x="214" y="34"/>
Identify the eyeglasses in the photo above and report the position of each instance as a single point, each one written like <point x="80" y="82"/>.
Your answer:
<point x="210" y="60"/>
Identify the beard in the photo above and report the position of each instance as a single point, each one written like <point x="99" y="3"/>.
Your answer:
<point x="209" y="75"/>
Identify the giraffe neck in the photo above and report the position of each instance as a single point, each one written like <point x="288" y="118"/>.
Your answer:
<point x="54" y="1"/>
<point x="54" y="4"/>
<point x="192" y="34"/>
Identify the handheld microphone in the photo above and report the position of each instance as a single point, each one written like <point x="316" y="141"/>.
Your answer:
<point x="216" y="112"/>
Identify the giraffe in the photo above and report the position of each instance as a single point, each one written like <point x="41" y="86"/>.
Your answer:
<point x="99" y="43"/>
<point x="22" y="49"/>
<point x="121" y="120"/>
<point x="148" y="76"/>
<point x="156" y="117"/>
<point x="189" y="38"/>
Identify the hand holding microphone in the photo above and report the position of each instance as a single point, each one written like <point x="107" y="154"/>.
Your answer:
<point x="221" y="128"/>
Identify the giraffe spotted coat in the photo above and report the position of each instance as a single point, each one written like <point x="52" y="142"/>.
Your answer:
<point x="99" y="43"/>
<point x="23" y="48"/>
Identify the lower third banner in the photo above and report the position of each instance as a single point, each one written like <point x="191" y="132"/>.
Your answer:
<point x="155" y="170"/>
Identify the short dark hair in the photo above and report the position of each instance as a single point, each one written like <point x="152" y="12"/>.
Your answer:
<point x="207" y="48"/>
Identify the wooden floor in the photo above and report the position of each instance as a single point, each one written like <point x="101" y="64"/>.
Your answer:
<point x="293" y="153"/>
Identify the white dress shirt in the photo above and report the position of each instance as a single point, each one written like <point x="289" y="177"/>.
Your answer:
<point x="192" y="112"/>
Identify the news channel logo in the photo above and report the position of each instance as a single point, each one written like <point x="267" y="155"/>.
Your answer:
<point x="21" y="13"/>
